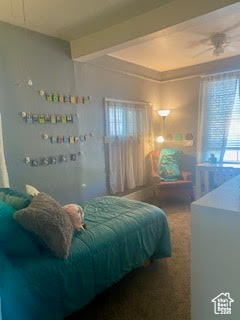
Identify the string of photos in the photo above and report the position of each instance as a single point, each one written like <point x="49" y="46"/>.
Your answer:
<point x="47" y="118"/>
<point x="58" y="100"/>
<point x="52" y="160"/>
<point x="53" y="97"/>
<point x="65" y="139"/>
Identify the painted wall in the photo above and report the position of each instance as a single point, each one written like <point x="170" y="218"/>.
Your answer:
<point x="47" y="62"/>
<point x="181" y="97"/>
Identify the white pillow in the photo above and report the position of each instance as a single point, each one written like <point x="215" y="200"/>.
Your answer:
<point x="31" y="190"/>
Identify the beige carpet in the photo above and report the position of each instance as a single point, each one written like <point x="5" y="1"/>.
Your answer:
<point x="160" y="291"/>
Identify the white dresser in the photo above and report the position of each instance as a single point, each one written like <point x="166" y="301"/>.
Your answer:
<point x="216" y="252"/>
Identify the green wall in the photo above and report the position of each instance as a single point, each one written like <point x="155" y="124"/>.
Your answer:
<point x="47" y="61"/>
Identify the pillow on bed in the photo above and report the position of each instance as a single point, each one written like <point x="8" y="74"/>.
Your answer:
<point x="14" y="240"/>
<point x="14" y="198"/>
<point x="49" y="222"/>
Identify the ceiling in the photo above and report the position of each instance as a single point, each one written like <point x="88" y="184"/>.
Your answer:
<point x="71" y="19"/>
<point x="181" y="48"/>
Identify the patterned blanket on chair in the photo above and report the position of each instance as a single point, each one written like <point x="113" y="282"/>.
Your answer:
<point x="169" y="164"/>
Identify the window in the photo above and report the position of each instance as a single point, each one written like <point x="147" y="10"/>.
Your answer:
<point x="221" y="114"/>
<point x="232" y="150"/>
<point x="116" y="121"/>
<point x="129" y="140"/>
<point x="126" y="120"/>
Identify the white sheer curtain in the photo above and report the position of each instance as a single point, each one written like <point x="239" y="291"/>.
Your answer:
<point x="217" y="99"/>
<point x="129" y="139"/>
<point x="4" y="181"/>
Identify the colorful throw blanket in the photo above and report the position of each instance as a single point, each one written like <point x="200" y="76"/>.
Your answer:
<point x="169" y="164"/>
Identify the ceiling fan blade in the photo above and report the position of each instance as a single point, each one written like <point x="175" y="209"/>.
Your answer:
<point x="234" y="38"/>
<point x="231" y="28"/>
<point x="202" y="52"/>
<point x="205" y="40"/>
<point x="231" y="48"/>
<point x="196" y="43"/>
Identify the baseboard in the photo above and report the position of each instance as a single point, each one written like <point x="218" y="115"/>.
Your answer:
<point x="141" y="195"/>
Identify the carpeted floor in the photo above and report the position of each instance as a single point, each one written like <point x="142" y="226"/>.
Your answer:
<point x="160" y="291"/>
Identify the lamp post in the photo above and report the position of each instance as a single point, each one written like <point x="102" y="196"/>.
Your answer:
<point x="162" y="113"/>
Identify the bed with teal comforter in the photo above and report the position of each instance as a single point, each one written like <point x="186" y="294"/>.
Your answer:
<point x="121" y="234"/>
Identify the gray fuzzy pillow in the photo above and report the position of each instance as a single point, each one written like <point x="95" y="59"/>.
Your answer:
<point x="46" y="219"/>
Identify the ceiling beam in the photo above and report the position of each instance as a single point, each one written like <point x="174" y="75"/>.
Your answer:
<point x="143" y="27"/>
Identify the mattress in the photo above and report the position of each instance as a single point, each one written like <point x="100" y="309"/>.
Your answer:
<point x="121" y="234"/>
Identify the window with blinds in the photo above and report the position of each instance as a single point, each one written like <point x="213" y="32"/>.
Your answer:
<point x="232" y="150"/>
<point x="222" y="119"/>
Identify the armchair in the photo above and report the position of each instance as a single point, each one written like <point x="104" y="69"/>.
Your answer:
<point x="163" y="190"/>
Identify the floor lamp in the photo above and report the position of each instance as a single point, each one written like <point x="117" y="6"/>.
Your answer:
<point x="163" y="113"/>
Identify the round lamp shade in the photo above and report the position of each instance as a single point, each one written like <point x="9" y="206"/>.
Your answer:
<point x="163" y="113"/>
<point x="160" y="139"/>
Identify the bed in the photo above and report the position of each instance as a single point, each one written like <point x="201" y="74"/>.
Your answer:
<point x="121" y="234"/>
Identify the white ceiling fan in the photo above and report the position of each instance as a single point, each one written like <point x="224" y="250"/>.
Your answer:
<point x="218" y="42"/>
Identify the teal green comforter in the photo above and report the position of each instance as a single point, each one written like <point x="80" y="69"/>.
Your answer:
<point x="120" y="235"/>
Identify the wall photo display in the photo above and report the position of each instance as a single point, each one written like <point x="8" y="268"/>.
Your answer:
<point x="54" y="97"/>
<point x="51" y="160"/>
<point x="67" y="139"/>
<point x="46" y="118"/>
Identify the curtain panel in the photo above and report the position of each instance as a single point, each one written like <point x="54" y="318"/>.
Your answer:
<point x="218" y="94"/>
<point x="4" y="181"/>
<point x="129" y="139"/>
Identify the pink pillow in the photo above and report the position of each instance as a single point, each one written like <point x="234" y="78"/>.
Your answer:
<point x="76" y="215"/>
